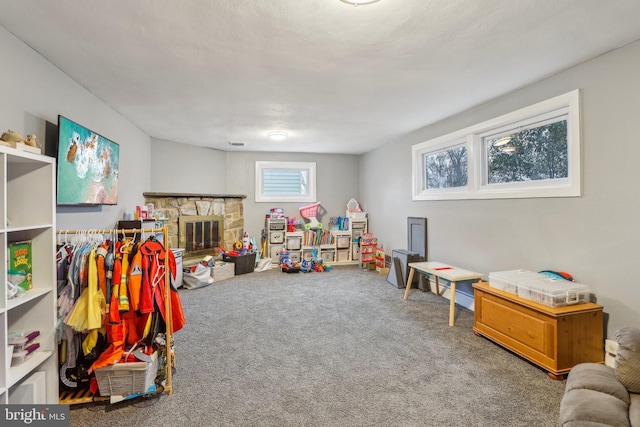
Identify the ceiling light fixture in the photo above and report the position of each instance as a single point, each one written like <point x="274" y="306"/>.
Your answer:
<point x="359" y="2"/>
<point x="278" y="135"/>
<point x="502" y="141"/>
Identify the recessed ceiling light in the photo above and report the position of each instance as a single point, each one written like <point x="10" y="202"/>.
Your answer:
<point x="278" y="135"/>
<point x="359" y="2"/>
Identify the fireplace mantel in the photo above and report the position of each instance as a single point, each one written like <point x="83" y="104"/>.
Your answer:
<point x="211" y="196"/>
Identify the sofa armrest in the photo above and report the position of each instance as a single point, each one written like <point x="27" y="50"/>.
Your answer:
<point x="594" y="397"/>
<point x="601" y="378"/>
<point x="634" y="409"/>
<point x="584" y="407"/>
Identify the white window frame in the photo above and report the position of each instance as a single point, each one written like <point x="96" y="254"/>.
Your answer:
<point x="567" y="104"/>
<point x="309" y="167"/>
<point x="439" y="146"/>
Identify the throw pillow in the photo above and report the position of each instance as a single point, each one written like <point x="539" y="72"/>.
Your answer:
<point x="627" y="362"/>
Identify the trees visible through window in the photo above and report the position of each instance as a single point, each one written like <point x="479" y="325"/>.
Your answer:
<point x="531" y="152"/>
<point x="529" y="155"/>
<point x="446" y="168"/>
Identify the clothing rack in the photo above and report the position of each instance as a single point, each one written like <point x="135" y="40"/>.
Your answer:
<point x="167" y="296"/>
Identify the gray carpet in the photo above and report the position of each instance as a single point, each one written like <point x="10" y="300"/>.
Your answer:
<point x="340" y="348"/>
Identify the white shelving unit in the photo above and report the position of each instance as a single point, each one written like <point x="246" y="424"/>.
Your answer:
<point x="341" y="248"/>
<point x="27" y="212"/>
<point x="358" y="227"/>
<point x="276" y="228"/>
<point x="293" y="243"/>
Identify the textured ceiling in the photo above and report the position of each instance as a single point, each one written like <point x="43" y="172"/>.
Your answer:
<point x="338" y="78"/>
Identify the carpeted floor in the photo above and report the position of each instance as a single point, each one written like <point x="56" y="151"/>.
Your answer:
<point x="340" y="348"/>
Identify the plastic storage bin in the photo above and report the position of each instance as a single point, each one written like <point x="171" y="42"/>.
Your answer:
<point x="342" y="256"/>
<point x="124" y="379"/>
<point x="178" y="254"/>
<point x="343" y="242"/>
<point x="554" y="292"/>
<point x="328" y="255"/>
<point x="294" y="256"/>
<point x="508" y="280"/>
<point x="243" y="263"/>
<point x="294" y="243"/>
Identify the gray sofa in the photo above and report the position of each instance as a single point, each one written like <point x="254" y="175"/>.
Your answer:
<point x="599" y="395"/>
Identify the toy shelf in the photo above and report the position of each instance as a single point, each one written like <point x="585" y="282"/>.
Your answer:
<point x="335" y="247"/>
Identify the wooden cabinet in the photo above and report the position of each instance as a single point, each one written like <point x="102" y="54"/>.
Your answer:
<point x="556" y="339"/>
<point x="27" y="213"/>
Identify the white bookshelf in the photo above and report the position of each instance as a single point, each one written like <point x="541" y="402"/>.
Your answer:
<point x="27" y="212"/>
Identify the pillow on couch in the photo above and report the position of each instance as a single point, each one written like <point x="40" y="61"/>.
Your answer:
<point x="627" y="362"/>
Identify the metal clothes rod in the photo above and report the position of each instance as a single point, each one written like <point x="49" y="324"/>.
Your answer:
<point x="167" y="284"/>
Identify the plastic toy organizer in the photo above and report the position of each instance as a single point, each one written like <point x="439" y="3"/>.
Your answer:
<point x="540" y="288"/>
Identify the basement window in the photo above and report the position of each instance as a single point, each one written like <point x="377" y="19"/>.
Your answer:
<point x="285" y="181"/>
<point x="532" y="152"/>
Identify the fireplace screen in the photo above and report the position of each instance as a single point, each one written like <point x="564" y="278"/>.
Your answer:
<point x="200" y="235"/>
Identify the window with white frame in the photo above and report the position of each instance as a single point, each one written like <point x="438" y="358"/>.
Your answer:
<point x="285" y="181"/>
<point x="532" y="152"/>
<point x="446" y="168"/>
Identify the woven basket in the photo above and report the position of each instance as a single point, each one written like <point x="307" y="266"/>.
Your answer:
<point x="222" y="271"/>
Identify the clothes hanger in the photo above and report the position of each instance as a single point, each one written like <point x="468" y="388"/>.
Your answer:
<point x="127" y="241"/>
<point x="62" y="253"/>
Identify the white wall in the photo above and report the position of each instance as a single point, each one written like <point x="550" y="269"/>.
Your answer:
<point x="201" y="170"/>
<point x="337" y="183"/>
<point x="183" y="168"/>
<point x="594" y="237"/>
<point x="34" y="91"/>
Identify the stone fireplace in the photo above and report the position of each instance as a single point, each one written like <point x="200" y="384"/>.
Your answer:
<point x="200" y="223"/>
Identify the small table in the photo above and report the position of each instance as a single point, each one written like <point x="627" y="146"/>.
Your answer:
<point x="447" y="272"/>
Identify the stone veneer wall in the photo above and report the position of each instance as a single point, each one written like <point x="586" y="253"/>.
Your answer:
<point x="173" y="205"/>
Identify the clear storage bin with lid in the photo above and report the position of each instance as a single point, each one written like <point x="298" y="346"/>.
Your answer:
<point x="508" y="280"/>
<point x="554" y="292"/>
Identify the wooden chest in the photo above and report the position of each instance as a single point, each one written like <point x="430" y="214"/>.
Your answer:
<point x="556" y="339"/>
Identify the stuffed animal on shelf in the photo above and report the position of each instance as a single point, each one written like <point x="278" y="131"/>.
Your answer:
<point x="10" y="138"/>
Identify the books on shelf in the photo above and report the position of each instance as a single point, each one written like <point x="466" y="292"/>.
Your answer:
<point x="317" y="237"/>
<point x="20" y="264"/>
